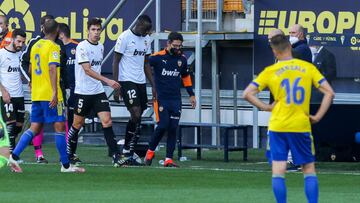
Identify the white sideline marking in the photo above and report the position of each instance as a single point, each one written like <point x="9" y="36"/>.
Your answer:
<point x="203" y="169"/>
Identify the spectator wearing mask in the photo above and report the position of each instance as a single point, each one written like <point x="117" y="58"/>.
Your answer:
<point x="299" y="44"/>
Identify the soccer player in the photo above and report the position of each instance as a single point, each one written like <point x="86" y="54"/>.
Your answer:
<point x="12" y="99"/>
<point x="46" y="95"/>
<point x="290" y="81"/>
<point x="5" y="34"/>
<point x="170" y="70"/>
<point x="131" y="68"/>
<point x="25" y="63"/>
<point x="70" y="50"/>
<point x="90" y="94"/>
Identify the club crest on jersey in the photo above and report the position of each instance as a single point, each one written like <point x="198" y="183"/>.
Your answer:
<point x="55" y="55"/>
<point x="73" y="51"/>
<point x="131" y="101"/>
<point x="145" y="42"/>
<point x="8" y="115"/>
<point x="79" y="110"/>
<point x="179" y="63"/>
<point x="161" y="108"/>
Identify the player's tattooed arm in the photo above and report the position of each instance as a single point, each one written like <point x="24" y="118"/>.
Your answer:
<point x="53" y="80"/>
<point x="149" y="75"/>
<point x="115" y="67"/>
<point x="97" y="76"/>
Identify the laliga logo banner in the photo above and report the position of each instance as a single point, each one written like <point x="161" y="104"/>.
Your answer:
<point x="331" y="23"/>
<point x="19" y="15"/>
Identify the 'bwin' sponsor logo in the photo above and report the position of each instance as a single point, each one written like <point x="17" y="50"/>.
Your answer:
<point x="140" y="53"/>
<point x="174" y="73"/>
<point x="70" y="62"/>
<point x="13" y="69"/>
<point x="95" y="63"/>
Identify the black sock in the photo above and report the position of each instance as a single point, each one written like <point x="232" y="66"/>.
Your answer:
<point x="11" y="128"/>
<point x="134" y="139"/>
<point x="16" y="158"/>
<point x="72" y="141"/>
<point x="66" y="165"/>
<point x="110" y="140"/>
<point x="130" y="132"/>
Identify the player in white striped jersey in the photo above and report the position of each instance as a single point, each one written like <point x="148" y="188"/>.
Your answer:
<point x="12" y="96"/>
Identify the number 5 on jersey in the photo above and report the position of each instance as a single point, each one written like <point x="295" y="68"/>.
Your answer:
<point x="294" y="92"/>
<point x="80" y="105"/>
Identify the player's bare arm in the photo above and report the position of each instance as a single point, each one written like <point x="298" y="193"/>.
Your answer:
<point x="149" y="73"/>
<point x="5" y="94"/>
<point x="115" y="66"/>
<point x="95" y="75"/>
<point x="329" y="94"/>
<point x="250" y="95"/>
<point x="53" y="80"/>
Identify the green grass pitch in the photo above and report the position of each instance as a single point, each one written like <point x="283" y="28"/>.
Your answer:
<point x="206" y="180"/>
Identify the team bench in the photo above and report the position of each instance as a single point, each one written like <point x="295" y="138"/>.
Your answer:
<point x="225" y="147"/>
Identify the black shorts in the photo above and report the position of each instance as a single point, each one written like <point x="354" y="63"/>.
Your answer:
<point x="85" y="104"/>
<point x="134" y="94"/>
<point x="14" y="111"/>
<point x="71" y="101"/>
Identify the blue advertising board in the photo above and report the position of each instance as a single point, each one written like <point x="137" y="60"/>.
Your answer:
<point x="333" y="24"/>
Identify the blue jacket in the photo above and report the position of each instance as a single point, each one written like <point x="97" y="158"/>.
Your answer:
<point x="170" y="72"/>
<point x="302" y="51"/>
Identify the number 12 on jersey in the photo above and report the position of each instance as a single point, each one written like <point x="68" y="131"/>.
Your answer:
<point x="294" y="92"/>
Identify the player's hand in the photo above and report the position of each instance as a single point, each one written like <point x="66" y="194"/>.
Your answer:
<point x="6" y="96"/>
<point x="117" y="95"/>
<point x="314" y="119"/>
<point x="113" y="84"/>
<point x="270" y="107"/>
<point x="53" y="102"/>
<point x="193" y="101"/>
<point x="154" y="94"/>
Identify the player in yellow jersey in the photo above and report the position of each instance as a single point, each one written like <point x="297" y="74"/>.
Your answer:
<point x="290" y="81"/>
<point x="47" y="99"/>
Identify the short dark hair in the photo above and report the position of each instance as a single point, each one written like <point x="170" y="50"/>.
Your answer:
<point x="175" y="36"/>
<point x="18" y="32"/>
<point x="63" y="28"/>
<point x="280" y="43"/>
<point x="50" y="26"/>
<point x="45" y="18"/>
<point x="5" y="19"/>
<point x="145" y="20"/>
<point x="94" y="21"/>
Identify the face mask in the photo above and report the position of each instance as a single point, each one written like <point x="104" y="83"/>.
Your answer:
<point x="293" y="40"/>
<point x="175" y="51"/>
